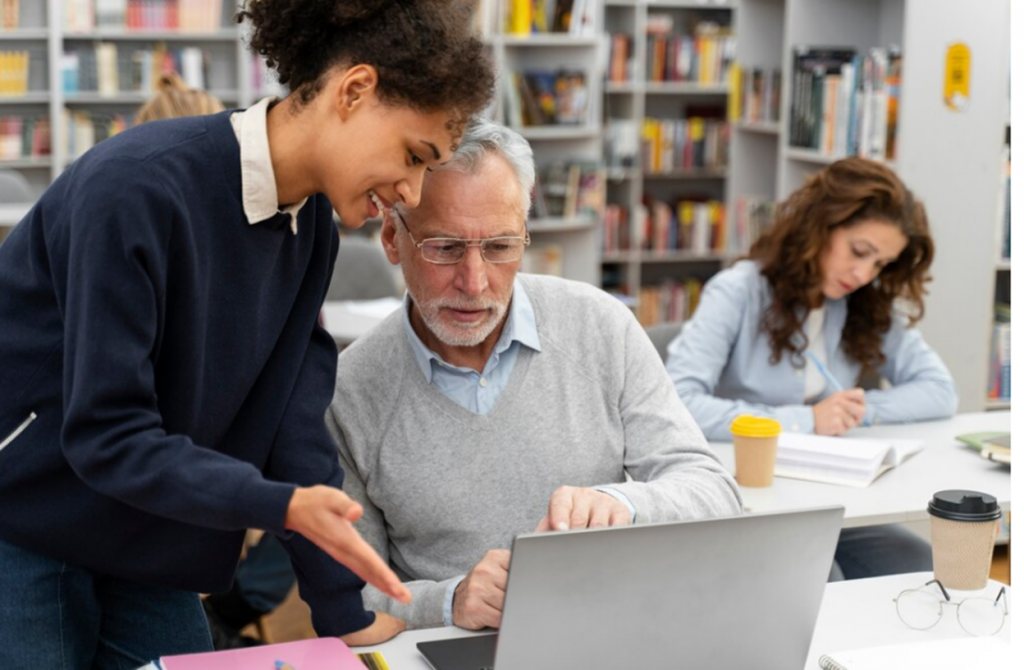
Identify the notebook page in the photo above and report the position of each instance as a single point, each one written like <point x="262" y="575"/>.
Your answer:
<point x="989" y="653"/>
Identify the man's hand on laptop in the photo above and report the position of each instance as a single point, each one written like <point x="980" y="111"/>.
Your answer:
<point x="480" y="597"/>
<point x="582" y="507"/>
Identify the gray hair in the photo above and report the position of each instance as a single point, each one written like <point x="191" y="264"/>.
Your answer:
<point x="484" y="137"/>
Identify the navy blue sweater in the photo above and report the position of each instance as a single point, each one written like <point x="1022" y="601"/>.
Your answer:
<point x="171" y="355"/>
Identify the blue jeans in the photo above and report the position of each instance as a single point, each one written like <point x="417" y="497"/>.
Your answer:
<point x="57" y="616"/>
<point x="876" y="551"/>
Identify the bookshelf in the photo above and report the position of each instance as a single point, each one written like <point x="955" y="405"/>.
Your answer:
<point x="49" y="29"/>
<point x="666" y="83"/>
<point x="544" y="63"/>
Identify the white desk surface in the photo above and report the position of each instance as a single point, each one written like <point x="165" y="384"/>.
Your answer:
<point x="901" y="494"/>
<point x="853" y="615"/>
<point x="346" y="320"/>
<point x="12" y="214"/>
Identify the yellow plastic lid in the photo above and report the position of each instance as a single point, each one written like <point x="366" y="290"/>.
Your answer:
<point x="746" y="425"/>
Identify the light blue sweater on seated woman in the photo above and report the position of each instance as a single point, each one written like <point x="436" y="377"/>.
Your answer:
<point x="721" y="363"/>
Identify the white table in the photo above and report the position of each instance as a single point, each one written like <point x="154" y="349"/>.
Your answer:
<point x="901" y="494"/>
<point x="12" y="214"/>
<point x="347" y="320"/>
<point x="860" y="613"/>
<point x="853" y="615"/>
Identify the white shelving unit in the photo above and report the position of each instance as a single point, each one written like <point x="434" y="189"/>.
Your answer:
<point x="42" y="33"/>
<point x="577" y="238"/>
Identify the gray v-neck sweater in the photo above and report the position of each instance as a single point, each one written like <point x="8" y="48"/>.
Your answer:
<point x="442" y="485"/>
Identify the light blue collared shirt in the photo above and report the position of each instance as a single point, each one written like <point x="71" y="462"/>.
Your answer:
<point x="478" y="392"/>
<point x="721" y="363"/>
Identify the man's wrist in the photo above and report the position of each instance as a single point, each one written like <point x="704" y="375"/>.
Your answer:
<point x="622" y="498"/>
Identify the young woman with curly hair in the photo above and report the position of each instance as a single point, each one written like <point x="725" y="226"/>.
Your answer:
<point x="163" y="379"/>
<point x="839" y="277"/>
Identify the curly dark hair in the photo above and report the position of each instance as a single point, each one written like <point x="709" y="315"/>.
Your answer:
<point x="845" y="193"/>
<point x="423" y="50"/>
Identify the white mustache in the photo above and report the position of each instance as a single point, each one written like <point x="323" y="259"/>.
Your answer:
<point x="463" y="305"/>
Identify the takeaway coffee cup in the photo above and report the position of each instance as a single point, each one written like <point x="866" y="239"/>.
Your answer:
<point x="964" y="527"/>
<point x="755" y="440"/>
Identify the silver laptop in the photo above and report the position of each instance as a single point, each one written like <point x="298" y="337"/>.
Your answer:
<point x="737" y="592"/>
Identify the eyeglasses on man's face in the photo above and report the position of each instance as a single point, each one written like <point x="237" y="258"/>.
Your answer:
<point x="451" y="250"/>
<point x="921" y="609"/>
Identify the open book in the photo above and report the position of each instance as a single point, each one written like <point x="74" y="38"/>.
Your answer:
<point x="848" y="461"/>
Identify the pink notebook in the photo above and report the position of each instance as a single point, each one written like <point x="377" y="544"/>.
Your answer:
<point x="325" y="653"/>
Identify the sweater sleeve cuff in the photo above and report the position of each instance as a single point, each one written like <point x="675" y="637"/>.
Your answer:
<point x="622" y="498"/>
<point x="449" y="601"/>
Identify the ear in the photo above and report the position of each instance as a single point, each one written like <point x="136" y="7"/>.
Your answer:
<point x="388" y="238"/>
<point x="356" y="87"/>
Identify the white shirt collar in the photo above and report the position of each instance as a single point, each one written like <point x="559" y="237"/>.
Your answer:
<point x="259" y="188"/>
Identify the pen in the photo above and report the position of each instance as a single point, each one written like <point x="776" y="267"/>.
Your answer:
<point x="281" y="665"/>
<point x="830" y="378"/>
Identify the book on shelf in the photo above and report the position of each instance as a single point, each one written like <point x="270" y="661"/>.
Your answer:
<point x="1003" y="207"/>
<point x="14" y="71"/>
<point x="569" y="189"/>
<point x="752" y="217"/>
<point x="846" y="104"/>
<point x="702" y="56"/>
<point x="672" y="300"/>
<point x="109" y="68"/>
<point x="24" y="136"/>
<point x="82" y="130"/>
<point x="759" y="95"/>
<point x="543" y="259"/>
<point x="615" y="228"/>
<point x="620" y="58"/>
<point x="999" y="359"/>
<point x="82" y="16"/>
<point x="698" y="226"/>
<point x="545" y="97"/>
<point x="846" y="461"/>
<point x="696" y="142"/>
<point x="9" y="14"/>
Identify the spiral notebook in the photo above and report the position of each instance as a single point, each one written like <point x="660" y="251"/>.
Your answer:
<point x="990" y="653"/>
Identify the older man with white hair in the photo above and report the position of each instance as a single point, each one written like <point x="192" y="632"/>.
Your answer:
<point x="496" y="403"/>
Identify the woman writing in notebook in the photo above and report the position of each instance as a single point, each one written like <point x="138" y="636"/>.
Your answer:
<point x="163" y="379"/>
<point x="827" y="297"/>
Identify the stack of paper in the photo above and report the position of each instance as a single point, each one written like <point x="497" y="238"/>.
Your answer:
<point x="846" y="461"/>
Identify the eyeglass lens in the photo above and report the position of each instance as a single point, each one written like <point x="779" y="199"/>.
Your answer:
<point x="495" y="250"/>
<point x="921" y="609"/>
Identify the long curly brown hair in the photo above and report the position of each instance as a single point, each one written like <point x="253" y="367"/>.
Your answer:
<point x="845" y="193"/>
<point x="423" y="50"/>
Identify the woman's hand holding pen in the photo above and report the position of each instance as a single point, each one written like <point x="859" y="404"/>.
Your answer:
<point x="839" y="412"/>
<point x="324" y="515"/>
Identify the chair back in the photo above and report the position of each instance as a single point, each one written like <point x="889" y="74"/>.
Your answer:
<point x="662" y="334"/>
<point x="362" y="272"/>
<point x="15" y="188"/>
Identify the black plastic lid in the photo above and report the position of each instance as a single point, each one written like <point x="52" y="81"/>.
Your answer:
<point x="964" y="506"/>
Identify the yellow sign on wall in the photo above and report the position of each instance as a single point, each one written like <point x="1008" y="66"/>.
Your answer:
<point x="957" y="90"/>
